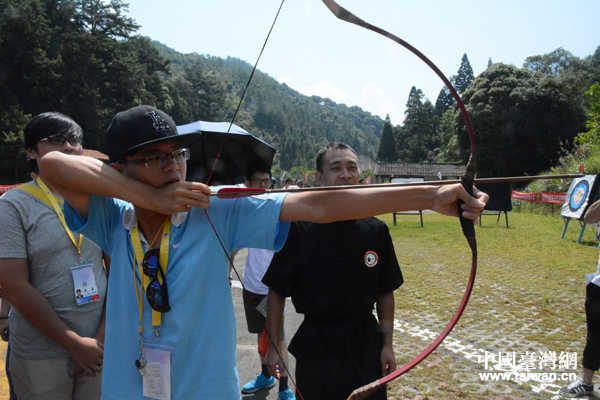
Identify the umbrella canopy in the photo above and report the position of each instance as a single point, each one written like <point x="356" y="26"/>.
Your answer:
<point x="240" y="149"/>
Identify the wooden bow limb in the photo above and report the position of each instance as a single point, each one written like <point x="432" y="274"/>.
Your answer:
<point x="234" y="192"/>
<point x="467" y="182"/>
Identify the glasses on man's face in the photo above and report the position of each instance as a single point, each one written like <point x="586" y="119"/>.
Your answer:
<point x="258" y="182"/>
<point x="156" y="292"/>
<point x="160" y="160"/>
<point x="59" y="140"/>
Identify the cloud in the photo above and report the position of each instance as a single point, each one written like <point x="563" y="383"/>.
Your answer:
<point x="287" y="80"/>
<point x="374" y="100"/>
<point x="325" y="90"/>
<point x="307" y="9"/>
<point x="321" y="89"/>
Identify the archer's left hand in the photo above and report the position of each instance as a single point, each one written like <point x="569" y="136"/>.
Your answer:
<point x="446" y="200"/>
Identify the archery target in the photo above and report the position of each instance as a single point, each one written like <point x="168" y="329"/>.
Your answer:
<point x="578" y="197"/>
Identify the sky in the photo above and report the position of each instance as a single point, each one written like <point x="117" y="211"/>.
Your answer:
<point x="317" y="54"/>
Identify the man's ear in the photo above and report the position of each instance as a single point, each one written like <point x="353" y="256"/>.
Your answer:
<point x="318" y="176"/>
<point x="31" y="154"/>
<point x="118" y="167"/>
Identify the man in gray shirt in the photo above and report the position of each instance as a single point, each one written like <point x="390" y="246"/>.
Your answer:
<point x="56" y="336"/>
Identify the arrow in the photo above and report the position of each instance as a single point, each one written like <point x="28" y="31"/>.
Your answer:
<point x="236" y="191"/>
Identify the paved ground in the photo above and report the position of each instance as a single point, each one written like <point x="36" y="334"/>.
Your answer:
<point x="498" y="320"/>
<point x="247" y="355"/>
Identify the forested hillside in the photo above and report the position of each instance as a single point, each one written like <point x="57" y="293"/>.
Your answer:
<point x="85" y="59"/>
<point x="297" y="125"/>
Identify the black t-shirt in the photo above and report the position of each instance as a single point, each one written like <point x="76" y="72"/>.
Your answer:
<point x="334" y="272"/>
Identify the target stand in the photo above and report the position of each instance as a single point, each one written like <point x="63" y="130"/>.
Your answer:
<point x="581" y="191"/>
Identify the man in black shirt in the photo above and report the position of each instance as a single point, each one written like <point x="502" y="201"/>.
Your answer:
<point x="335" y="273"/>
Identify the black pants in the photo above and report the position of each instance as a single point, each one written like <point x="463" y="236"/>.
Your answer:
<point x="591" y="353"/>
<point x="334" y="358"/>
<point x="316" y="383"/>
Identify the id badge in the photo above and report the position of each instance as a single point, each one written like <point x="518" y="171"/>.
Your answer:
<point x="84" y="283"/>
<point x="156" y="380"/>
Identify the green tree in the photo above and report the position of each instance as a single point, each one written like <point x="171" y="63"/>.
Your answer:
<point x="555" y="63"/>
<point x="464" y="76"/>
<point x="300" y="173"/>
<point x="450" y="150"/>
<point x="14" y="167"/>
<point x="197" y="96"/>
<point x="445" y="101"/>
<point x="368" y="173"/>
<point x="79" y="58"/>
<point x="387" y="145"/>
<point x="104" y="18"/>
<point x="418" y="136"/>
<point x="575" y="74"/>
<point x="521" y="120"/>
<point x="490" y="63"/>
<point x="593" y="122"/>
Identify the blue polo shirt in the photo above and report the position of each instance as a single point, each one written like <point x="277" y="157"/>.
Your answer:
<point x="200" y="328"/>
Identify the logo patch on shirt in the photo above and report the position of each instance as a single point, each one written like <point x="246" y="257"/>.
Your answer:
<point x="371" y="259"/>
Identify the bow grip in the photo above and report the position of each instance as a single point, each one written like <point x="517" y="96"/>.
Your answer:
<point x="467" y="225"/>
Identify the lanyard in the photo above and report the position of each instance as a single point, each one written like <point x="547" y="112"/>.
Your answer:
<point x="53" y="202"/>
<point x="145" y="280"/>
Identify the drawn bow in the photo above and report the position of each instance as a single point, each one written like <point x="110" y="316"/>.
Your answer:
<point x="467" y="182"/>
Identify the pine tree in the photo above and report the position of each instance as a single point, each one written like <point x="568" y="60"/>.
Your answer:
<point x="490" y="62"/>
<point x="445" y="100"/>
<point x="465" y="75"/>
<point x="418" y="136"/>
<point x="387" y="145"/>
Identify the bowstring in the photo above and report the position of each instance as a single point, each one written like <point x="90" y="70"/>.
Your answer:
<point x="213" y="169"/>
<point x="244" y="92"/>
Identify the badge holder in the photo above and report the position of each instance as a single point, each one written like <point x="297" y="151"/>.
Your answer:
<point x="154" y="360"/>
<point x="84" y="282"/>
<point x="154" y="365"/>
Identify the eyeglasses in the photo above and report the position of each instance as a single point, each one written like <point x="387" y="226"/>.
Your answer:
<point x="159" y="160"/>
<point x="156" y="292"/>
<point x="59" y="140"/>
<point x="257" y="181"/>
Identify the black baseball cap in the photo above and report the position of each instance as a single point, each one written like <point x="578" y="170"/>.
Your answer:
<point x="139" y="126"/>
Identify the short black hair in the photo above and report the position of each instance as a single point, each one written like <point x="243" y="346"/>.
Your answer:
<point x="331" y="146"/>
<point x="257" y="166"/>
<point x="290" y="180"/>
<point x="48" y="124"/>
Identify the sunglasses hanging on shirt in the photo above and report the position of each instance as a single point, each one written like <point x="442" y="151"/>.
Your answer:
<point x="156" y="292"/>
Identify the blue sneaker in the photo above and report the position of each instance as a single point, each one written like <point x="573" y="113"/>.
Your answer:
<point x="286" y="395"/>
<point x="259" y="382"/>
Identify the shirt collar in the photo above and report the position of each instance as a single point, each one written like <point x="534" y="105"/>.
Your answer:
<point x="130" y="219"/>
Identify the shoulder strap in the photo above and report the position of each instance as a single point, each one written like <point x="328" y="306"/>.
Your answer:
<point x="37" y="192"/>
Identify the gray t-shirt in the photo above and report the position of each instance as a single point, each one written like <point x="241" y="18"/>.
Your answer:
<point x="30" y="229"/>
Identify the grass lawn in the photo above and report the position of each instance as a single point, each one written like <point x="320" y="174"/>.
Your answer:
<point x="528" y="297"/>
